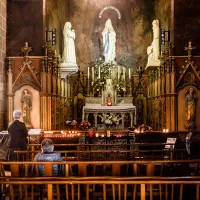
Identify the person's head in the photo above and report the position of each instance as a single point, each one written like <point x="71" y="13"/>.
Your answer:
<point x="69" y="25"/>
<point x="155" y="23"/>
<point x="108" y="24"/>
<point x="191" y="90"/>
<point x="17" y="114"/>
<point x="47" y="145"/>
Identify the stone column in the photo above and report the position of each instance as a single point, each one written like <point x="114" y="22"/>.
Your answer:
<point x="86" y="116"/>
<point x="95" y="120"/>
<point x="173" y="96"/>
<point x="122" y="114"/>
<point x="9" y="90"/>
<point x="168" y="100"/>
<point x="131" y="116"/>
<point x="3" y="16"/>
<point x="49" y="102"/>
<point x="43" y="98"/>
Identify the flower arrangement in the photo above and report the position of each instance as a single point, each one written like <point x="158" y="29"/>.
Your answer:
<point x="71" y="123"/>
<point x="110" y="119"/>
<point x="85" y="125"/>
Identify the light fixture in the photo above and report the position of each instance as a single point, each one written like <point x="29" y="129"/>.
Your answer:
<point x="51" y="37"/>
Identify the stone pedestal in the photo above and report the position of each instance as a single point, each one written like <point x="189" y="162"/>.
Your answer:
<point x="67" y="69"/>
<point x="153" y="63"/>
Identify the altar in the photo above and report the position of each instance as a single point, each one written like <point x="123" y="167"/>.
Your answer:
<point x="109" y="101"/>
<point x="113" y="110"/>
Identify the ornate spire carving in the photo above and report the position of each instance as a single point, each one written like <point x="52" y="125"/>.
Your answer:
<point x="26" y="49"/>
<point x="45" y="47"/>
<point x="189" y="49"/>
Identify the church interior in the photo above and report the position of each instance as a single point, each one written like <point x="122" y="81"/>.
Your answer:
<point x="115" y="85"/>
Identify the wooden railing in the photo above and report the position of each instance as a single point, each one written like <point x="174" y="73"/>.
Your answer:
<point x="86" y="168"/>
<point x="139" y="144"/>
<point x="114" y="154"/>
<point x="23" y="179"/>
<point x="170" y="188"/>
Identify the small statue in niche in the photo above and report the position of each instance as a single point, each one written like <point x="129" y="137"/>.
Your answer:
<point x="26" y="102"/>
<point x="190" y="105"/>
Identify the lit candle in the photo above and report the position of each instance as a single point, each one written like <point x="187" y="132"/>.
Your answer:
<point x="164" y="130"/>
<point x="108" y="133"/>
<point x="91" y="133"/>
<point x="97" y="135"/>
<point x="129" y="73"/>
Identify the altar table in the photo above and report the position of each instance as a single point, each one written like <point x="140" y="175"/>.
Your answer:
<point x="121" y="109"/>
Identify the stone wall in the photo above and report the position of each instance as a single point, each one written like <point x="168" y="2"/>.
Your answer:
<point x="187" y="25"/>
<point x="25" y="24"/>
<point x="163" y="13"/>
<point x="2" y="60"/>
<point x="133" y="30"/>
<point x="57" y="13"/>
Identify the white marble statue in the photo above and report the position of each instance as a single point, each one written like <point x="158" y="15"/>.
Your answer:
<point x="69" y="54"/>
<point x="109" y="42"/>
<point x="153" y="50"/>
<point x="68" y="66"/>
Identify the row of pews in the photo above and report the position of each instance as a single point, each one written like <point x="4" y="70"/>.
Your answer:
<point x="108" y="173"/>
<point x="25" y="183"/>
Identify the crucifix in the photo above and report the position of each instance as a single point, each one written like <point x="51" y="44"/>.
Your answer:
<point x="189" y="50"/>
<point x="26" y="49"/>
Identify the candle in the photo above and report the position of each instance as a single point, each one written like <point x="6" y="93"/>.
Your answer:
<point x="92" y="73"/>
<point x="129" y="73"/>
<point x="164" y="130"/>
<point x="108" y="133"/>
<point x="124" y="73"/>
<point x="88" y="73"/>
<point x="102" y="98"/>
<point x="91" y="133"/>
<point x="118" y="72"/>
<point x="99" y="73"/>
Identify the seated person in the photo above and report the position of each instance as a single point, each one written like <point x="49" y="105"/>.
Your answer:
<point x="48" y="155"/>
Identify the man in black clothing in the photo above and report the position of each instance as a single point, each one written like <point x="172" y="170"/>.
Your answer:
<point x="18" y="135"/>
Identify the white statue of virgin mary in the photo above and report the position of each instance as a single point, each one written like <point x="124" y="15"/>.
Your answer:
<point x="68" y="66"/>
<point x="153" y="50"/>
<point x="69" y="54"/>
<point x="109" y="42"/>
